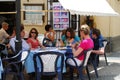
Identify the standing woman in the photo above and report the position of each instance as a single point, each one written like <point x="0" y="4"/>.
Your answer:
<point x="85" y="44"/>
<point x="32" y="39"/>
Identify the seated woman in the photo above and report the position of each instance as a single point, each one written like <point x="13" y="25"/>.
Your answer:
<point x="49" y="36"/>
<point x="85" y="44"/>
<point x="69" y="37"/>
<point x="32" y="39"/>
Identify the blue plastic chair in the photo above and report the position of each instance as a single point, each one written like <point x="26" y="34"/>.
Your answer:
<point x="15" y="65"/>
<point x="81" y="66"/>
<point x="95" y="61"/>
<point x="49" y="64"/>
<point x="105" y="43"/>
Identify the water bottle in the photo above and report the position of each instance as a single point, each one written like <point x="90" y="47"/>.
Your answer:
<point x="58" y="44"/>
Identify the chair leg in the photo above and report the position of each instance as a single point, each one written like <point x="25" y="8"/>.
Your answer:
<point x="3" y="76"/>
<point x="21" y="76"/>
<point x="95" y="68"/>
<point x="60" y="76"/>
<point x="105" y="59"/>
<point x="38" y="74"/>
<point x="38" y="77"/>
<point x="81" y="77"/>
<point x="71" y="73"/>
<point x="88" y="73"/>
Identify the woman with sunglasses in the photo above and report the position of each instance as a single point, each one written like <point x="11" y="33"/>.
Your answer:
<point x="32" y="39"/>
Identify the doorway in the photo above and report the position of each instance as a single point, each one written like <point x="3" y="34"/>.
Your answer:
<point x="8" y="6"/>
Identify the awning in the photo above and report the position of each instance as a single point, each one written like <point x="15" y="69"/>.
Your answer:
<point x="88" y="7"/>
<point x="6" y="0"/>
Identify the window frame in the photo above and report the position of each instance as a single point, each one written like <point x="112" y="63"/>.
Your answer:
<point x="41" y="14"/>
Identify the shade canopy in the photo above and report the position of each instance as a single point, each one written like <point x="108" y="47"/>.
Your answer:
<point x="7" y="0"/>
<point x="88" y="7"/>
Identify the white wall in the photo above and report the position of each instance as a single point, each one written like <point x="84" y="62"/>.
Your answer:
<point x="110" y="26"/>
<point x="115" y="21"/>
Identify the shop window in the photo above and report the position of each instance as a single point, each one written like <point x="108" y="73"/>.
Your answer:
<point x="33" y="14"/>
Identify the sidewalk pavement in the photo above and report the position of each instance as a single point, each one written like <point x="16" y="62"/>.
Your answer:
<point x="112" y="71"/>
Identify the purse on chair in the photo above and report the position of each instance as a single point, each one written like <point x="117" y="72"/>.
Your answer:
<point x="47" y="42"/>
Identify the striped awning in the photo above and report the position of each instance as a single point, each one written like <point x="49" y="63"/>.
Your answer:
<point x="88" y="7"/>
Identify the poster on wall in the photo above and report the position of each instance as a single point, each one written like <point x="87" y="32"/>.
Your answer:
<point x="60" y="17"/>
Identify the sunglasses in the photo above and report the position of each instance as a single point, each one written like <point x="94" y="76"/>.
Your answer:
<point x="33" y="32"/>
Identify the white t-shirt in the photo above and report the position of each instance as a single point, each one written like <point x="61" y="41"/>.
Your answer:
<point x="25" y="45"/>
<point x="51" y="33"/>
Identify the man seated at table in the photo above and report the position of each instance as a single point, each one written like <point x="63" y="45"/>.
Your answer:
<point x="98" y="45"/>
<point x="25" y="45"/>
<point x="3" y="34"/>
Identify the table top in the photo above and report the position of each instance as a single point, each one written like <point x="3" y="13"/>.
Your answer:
<point x="60" y="49"/>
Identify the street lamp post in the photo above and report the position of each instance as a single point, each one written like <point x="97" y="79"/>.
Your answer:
<point x="18" y="45"/>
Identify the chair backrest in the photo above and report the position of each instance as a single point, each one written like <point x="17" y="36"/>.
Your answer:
<point x="19" y="57"/>
<point x="105" y="42"/>
<point x="49" y="61"/>
<point x="24" y="56"/>
<point x="87" y="55"/>
<point x="14" y="64"/>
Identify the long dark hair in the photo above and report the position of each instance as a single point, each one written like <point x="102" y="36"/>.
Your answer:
<point x="72" y="33"/>
<point x="36" y="32"/>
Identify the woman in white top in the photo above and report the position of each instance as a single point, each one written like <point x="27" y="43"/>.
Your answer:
<point x="49" y="34"/>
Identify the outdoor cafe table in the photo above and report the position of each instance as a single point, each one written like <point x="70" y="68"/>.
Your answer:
<point x="29" y="63"/>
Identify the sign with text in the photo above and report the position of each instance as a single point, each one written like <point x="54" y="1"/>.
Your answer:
<point x="60" y="17"/>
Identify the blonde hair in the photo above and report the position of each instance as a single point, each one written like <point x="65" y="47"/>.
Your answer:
<point x="85" y="28"/>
